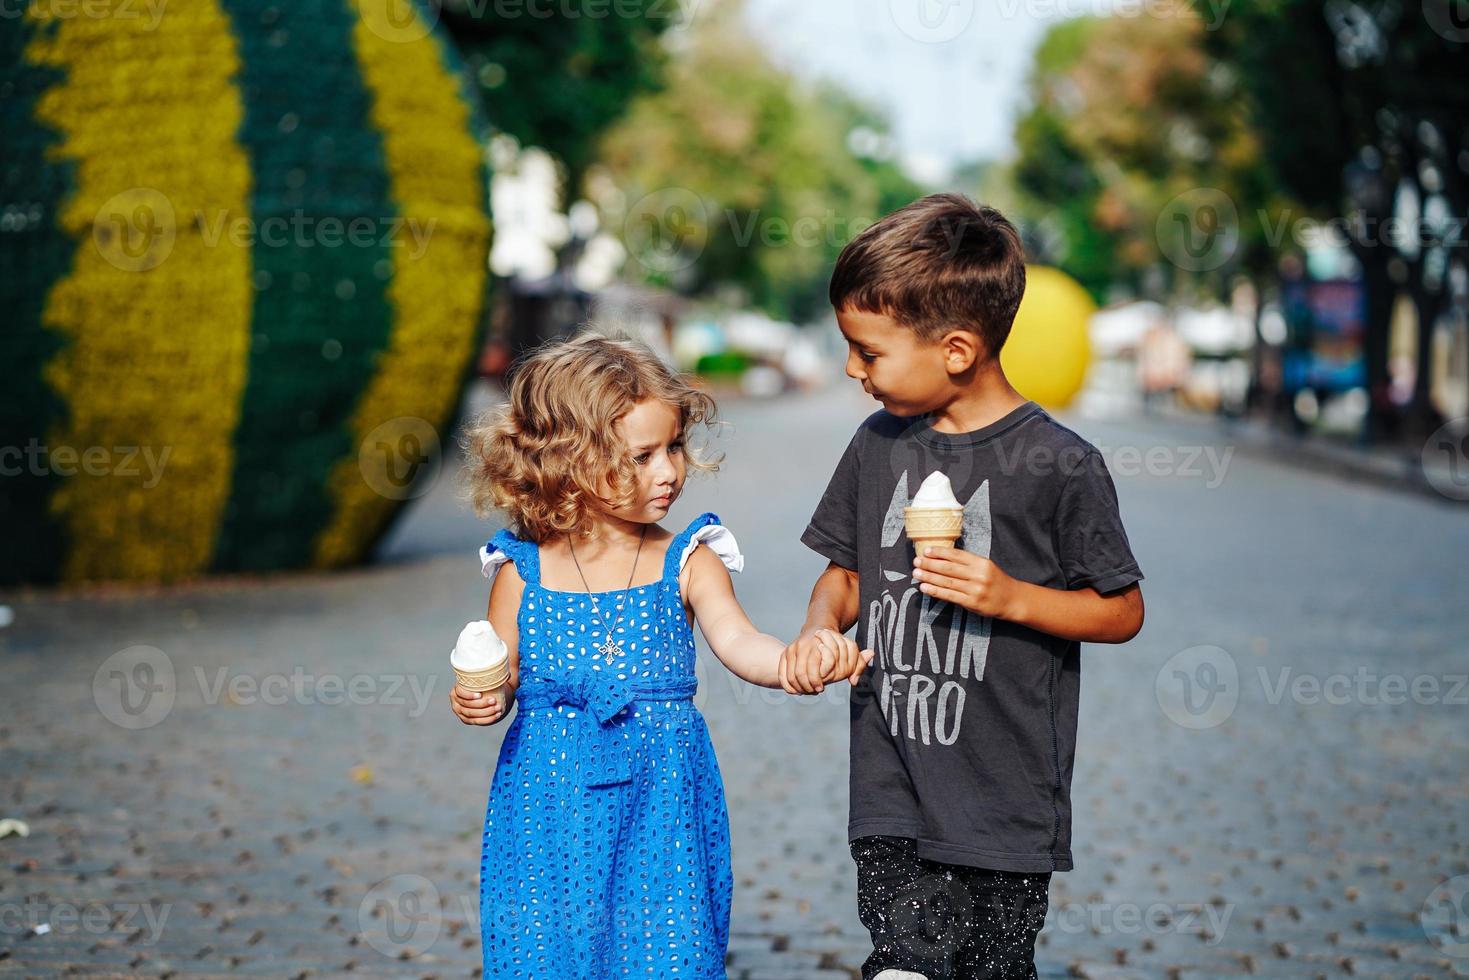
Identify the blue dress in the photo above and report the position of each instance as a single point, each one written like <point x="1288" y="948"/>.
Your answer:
<point x="606" y="843"/>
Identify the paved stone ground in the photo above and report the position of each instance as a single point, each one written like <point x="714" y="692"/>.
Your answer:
<point x="304" y="805"/>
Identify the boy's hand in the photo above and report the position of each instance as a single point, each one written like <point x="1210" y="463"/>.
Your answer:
<point x="964" y="579"/>
<point x="819" y="657"/>
<point x="476" y="707"/>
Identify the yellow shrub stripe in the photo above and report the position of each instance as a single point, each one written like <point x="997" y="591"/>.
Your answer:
<point x="439" y="258"/>
<point x="147" y="289"/>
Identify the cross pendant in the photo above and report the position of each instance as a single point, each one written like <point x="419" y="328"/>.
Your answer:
<point x="609" y="649"/>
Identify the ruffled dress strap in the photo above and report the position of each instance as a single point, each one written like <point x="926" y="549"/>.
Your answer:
<point x="707" y="529"/>
<point x="505" y="546"/>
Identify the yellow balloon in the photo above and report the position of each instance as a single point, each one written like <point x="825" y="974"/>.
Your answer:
<point x="1048" y="352"/>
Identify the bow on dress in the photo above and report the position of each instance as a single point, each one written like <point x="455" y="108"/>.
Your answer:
<point x="602" y="700"/>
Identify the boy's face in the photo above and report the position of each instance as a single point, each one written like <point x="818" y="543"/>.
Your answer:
<point x="909" y="375"/>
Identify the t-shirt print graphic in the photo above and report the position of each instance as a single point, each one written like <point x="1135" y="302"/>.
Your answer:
<point x="921" y="691"/>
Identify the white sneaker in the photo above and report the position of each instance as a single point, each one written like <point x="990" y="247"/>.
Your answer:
<point x="899" y="975"/>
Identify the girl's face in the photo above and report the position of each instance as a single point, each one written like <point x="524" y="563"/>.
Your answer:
<point x="652" y="434"/>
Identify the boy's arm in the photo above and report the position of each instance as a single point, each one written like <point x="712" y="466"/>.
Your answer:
<point x="980" y="585"/>
<point x="822" y="653"/>
<point x="1080" y="614"/>
<point x="833" y="602"/>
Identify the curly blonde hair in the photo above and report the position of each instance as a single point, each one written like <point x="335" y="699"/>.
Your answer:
<point x="542" y="455"/>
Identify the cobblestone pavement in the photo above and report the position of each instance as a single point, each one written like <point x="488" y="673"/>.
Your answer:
<point x="1270" y="778"/>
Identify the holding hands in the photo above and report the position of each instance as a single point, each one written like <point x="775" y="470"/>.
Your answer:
<point x="818" y="657"/>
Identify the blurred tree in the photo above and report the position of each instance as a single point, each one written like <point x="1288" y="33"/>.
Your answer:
<point x="555" y="75"/>
<point x="1060" y="185"/>
<point x="870" y="141"/>
<point x="1132" y="120"/>
<point x="735" y="174"/>
<point x="1363" y="113"/>
<point x="1066" y="197"/>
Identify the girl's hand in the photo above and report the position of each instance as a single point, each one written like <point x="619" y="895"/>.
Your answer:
<point x="476" y="707"/>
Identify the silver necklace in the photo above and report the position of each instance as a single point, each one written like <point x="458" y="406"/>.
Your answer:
<point x="609" y="648"/>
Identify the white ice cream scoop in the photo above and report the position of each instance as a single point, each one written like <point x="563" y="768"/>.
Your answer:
<point x="936" y="491"/>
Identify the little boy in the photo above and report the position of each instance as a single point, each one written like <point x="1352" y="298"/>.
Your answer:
<point x="963" y="731"/>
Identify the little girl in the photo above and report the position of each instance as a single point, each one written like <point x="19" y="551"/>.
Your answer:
<point x="606" y="842"/>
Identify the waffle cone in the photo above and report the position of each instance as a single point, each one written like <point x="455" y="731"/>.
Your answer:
<point x="483" y="680"/>
<point x="940" y="526"/>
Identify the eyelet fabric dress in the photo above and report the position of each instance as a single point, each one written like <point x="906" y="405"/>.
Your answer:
<point x="606" y="840"/>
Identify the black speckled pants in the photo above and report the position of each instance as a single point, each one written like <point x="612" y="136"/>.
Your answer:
<point x="946" y="921"/>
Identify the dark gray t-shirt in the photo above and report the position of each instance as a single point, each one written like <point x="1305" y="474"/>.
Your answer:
<point x="963" y="731"/>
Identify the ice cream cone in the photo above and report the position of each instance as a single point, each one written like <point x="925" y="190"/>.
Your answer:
<point x="933" y="526"/>
<point x="483" y="680"/>
<point x="480" y="658"/>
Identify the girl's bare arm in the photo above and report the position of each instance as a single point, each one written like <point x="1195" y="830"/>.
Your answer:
<point x="748" y="653"/>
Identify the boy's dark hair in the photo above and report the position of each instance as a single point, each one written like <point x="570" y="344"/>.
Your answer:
<point x="941" y="263"/>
